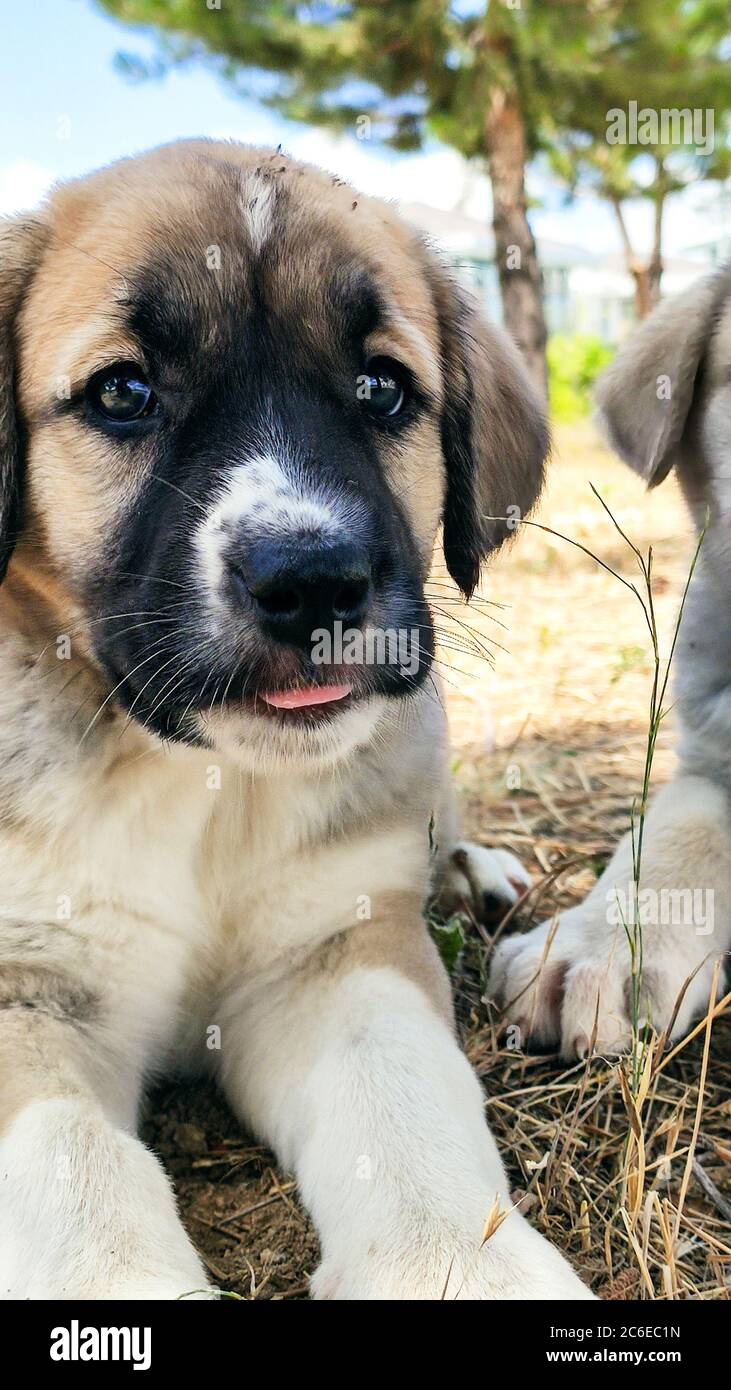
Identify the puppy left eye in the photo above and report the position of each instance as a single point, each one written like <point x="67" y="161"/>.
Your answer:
<point x="382" y="388"/>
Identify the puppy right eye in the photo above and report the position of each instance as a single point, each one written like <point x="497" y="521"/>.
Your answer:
<point x="120" y="393"/>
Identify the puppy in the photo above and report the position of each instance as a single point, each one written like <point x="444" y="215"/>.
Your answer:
<point x="666" y="403"/>
<point x="237" y="402"/>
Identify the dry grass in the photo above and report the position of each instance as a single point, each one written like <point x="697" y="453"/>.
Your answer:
<point x="549" y="752"/>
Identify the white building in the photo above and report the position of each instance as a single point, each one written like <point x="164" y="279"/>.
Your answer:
<point x="584" y="293"/>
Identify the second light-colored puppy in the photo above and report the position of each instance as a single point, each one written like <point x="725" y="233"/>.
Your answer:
<point x="666" y="403"/>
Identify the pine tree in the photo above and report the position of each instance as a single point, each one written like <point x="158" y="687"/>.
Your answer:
<point x="500" y="81"/>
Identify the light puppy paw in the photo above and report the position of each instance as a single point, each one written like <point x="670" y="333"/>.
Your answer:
<point x="516" y="1264"/>
<point x="487" y="882"/>
<point x="561" y="981"/>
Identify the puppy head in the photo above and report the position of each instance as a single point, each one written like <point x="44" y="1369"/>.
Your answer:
<point x="665" y="401"/>
<point x="237" y="401"/>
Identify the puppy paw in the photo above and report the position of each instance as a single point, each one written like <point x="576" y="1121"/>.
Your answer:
<point x="516" y="1263"/>
<point x="558" y="982"/>
<point x="487" y="882"/>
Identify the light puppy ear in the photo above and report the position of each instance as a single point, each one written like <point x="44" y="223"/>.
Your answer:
<point x="21" y="245"/>
<point x="495" y="437"/>
<point x="645" y="395"/>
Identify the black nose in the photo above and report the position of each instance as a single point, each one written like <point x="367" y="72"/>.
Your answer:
<point x="300" y="586"/>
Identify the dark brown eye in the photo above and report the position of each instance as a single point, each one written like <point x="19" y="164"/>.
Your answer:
<point x="120" y="393"/>
<point x="382" y="388"/>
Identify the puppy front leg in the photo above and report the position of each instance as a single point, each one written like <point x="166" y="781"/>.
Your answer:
<point x="86" y="1211"/>
<point x="352" y="1071"/>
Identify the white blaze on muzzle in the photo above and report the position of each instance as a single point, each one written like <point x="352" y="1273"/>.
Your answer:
<point x="266" y="498"/>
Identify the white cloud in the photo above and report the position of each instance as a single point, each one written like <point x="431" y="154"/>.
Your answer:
<point x="22" y="185"/>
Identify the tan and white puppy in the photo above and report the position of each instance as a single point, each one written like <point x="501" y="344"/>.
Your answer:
<point x="666" y="403"/>
<point x="237" y="402"/>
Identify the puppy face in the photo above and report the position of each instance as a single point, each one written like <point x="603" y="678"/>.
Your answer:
<point x="245" y="398"/>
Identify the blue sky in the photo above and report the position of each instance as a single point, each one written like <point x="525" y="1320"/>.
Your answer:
<point x="64" y="109"/>
<point x="57" y="62"/>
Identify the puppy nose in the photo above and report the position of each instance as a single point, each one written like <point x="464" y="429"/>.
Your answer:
<point x="299" y="587"/>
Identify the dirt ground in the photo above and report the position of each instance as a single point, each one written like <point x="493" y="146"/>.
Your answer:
<point x="547" y="679"/>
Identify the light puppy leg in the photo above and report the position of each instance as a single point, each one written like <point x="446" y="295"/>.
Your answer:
<point x="351" y="1069"/>
<point x="86" y="1211"/>
<point x="551" y="978"/>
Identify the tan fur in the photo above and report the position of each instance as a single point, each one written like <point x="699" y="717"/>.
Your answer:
<point x="397" y="939"/>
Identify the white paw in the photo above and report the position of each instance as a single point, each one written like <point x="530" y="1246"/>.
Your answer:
<point x="485" y="881"/>
<point x="557" y="980"/>
<point x="516" y="1263"/>
<point x="87" y="1212"/>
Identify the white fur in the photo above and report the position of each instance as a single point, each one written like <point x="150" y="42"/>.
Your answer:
<point x="263" y="489"/>
<point x="258" y="198"/>
<point x="273" y="495"/>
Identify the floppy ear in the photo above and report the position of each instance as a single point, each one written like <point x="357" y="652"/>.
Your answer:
<point x="645" y="395"/>
<point x="21" y="242"/>
<point x="494" y="433"/>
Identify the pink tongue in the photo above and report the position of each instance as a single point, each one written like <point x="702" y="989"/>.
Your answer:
<point x="300" y="699"/>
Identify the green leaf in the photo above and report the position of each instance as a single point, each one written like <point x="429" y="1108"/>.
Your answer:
<point x="449" y="938"/>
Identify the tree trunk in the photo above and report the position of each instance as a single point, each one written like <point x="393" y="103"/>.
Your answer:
<point x="645" y="275"/>
<point x="647" y="288"/>
<point x="515" y="248"/>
